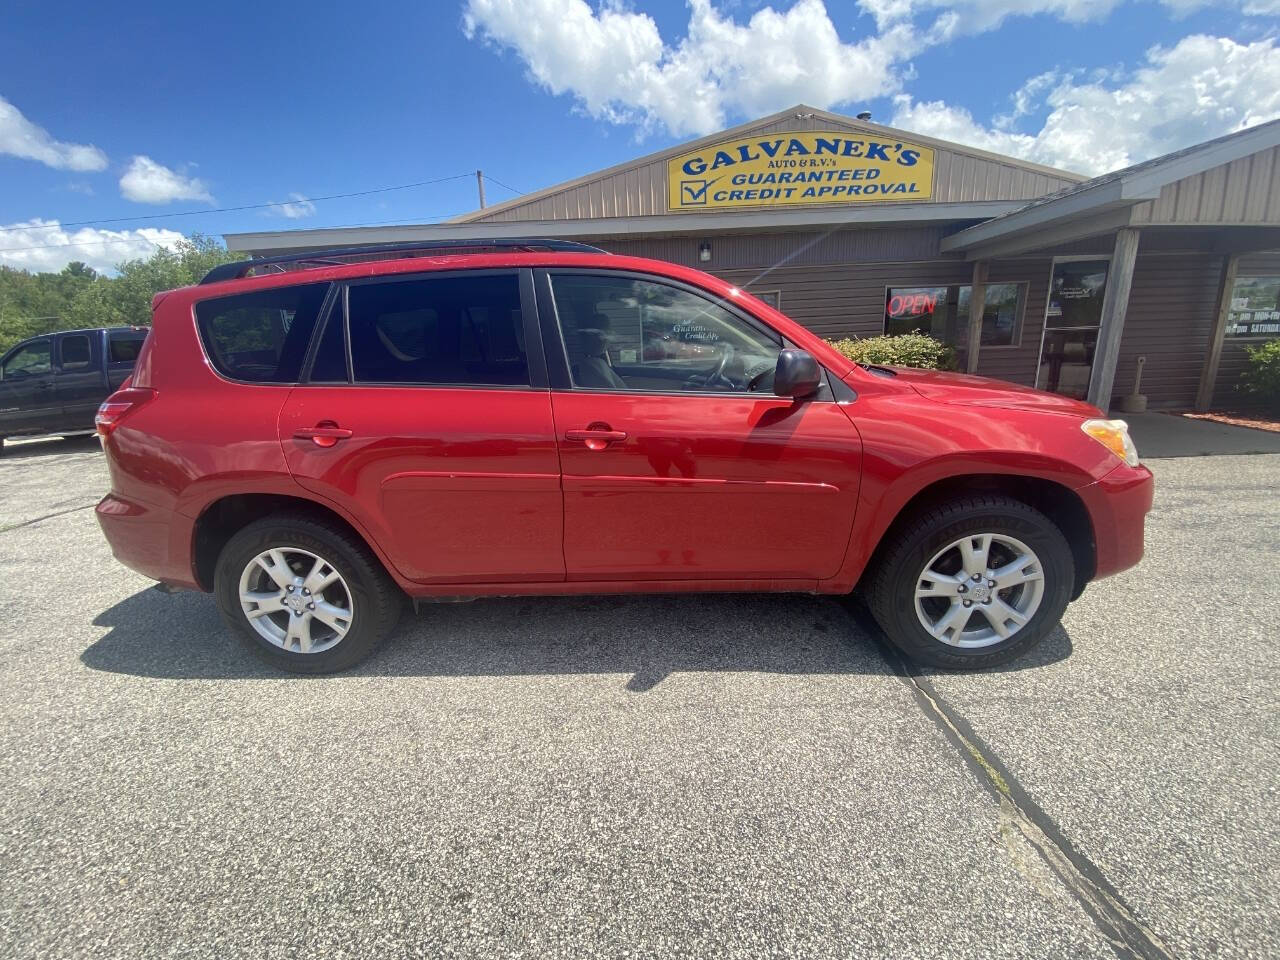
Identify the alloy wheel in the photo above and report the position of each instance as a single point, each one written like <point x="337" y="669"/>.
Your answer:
<point x="979" y="590"/>
<point x="296" y="600"/>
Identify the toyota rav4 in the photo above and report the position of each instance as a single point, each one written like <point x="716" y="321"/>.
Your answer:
<point x="312" y="438"/>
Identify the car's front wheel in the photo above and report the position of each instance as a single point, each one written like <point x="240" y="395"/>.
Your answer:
<point x="304" y="595"/>
<point x="972" y="583"/>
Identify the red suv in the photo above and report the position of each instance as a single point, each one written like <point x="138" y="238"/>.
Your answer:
<point x="312" y="438"/>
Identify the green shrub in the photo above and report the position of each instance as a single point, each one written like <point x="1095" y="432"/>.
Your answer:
<point x="903" y="350"/>
<point x="1261" y="378"/>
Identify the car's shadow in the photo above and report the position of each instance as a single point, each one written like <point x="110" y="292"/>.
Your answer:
<point x="180" y="636"/>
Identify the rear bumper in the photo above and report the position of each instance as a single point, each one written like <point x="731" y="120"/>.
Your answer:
<point x="153" y="541"/>
<point x="1118" y="505"/>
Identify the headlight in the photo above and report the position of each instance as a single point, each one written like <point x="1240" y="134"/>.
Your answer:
<point x="1114" y="435"/>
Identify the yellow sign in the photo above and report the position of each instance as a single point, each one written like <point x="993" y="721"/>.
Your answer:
<point x="786" y="169"/>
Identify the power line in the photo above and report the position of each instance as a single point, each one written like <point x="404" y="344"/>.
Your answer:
<point x="250" y="206"/>
<point x="492" y="179"/>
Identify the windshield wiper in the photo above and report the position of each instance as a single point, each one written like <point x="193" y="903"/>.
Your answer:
<point x="874" y="368"/>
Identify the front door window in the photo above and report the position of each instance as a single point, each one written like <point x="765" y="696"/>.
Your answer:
<point x="1072" y="319"/>
<point x="624" y="333"/>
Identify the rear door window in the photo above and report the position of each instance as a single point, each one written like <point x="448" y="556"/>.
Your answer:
<point x="76" y="353"/>
<point x="124" y="347"/>
<point x="260" y="337"/>
<point x="439" y="330"/>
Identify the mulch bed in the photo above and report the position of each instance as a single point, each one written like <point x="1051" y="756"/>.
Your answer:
<point x="1256" y="421"/>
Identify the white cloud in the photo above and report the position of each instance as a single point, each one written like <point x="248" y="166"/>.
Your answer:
<point x="19" y="137"/>
<point x="44" y="245"/>
<point x="296" y="208"/>
<point x="1250" y="8"/>
<point x="617" y="66"/>
<point x="146" y="181"/>
<point x="1201" y="88"/>
<point x="977" y="16"/>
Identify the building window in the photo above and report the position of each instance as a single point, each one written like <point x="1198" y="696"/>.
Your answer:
<point x="772" y="297"/>
<point x="943" y="313"/>
<point x="1255" y="307"/>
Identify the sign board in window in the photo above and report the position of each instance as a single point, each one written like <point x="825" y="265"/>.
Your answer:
<point x="1075" y="293"/>
<point x="792" y="169"/>
<point x="1255" y="307"/>
<point x="943" y="313"/>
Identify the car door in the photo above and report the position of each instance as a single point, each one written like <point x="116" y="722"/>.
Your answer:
<point x="28" y="401"/>
<point x="427" y="416"/>
<point x="79" y="379"/>
<point x="679" y="463"/>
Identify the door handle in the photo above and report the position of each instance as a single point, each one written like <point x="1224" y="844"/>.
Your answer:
<point x="324" y="434"/>
<point x="596" y="436"/>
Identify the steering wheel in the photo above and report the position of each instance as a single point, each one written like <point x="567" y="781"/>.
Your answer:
<point x="716" y="377"/>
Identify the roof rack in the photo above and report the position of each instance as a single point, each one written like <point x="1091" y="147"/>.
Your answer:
<point x="391" y="251"/>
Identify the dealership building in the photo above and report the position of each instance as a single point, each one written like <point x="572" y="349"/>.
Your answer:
<point x="1165" y="270"/>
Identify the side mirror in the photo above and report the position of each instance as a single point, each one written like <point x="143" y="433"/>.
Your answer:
<point x="797" y="374"/>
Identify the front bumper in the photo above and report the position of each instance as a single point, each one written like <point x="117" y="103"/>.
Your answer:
<point x="1118" y="505"/>
<point x="153" y="541"/>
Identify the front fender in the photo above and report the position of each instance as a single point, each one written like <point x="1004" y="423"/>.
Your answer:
<point x="911" y="443"/>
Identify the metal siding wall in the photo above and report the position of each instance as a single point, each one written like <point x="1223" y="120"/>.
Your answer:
<point x="846" y="300"/>
<point x="1169" y="321"/>
<point x="765" y="250"/>
<point x="1243" y="191"/>
<point x="641" y="190"/>
<point x="1265" y="264"/>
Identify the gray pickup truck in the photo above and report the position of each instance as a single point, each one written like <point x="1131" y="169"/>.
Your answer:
<point x="53" y="384"/>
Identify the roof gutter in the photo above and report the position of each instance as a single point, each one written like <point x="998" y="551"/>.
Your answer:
<point x="671" y="224"/>
<point x="1104" y="197"/>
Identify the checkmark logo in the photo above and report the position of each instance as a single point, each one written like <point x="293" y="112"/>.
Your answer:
<point x="693" y="193"/>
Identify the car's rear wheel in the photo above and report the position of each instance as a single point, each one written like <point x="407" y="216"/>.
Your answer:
<point x="972" y="583"/>
<point x="304" y="595"/>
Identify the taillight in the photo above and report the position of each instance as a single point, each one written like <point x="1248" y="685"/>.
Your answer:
<point x="119" y="405"/>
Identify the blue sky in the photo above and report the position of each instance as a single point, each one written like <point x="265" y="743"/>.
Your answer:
<point x="162" y="108"/>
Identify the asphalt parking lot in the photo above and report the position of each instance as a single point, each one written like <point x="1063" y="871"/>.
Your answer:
<point x="671" y="776"/>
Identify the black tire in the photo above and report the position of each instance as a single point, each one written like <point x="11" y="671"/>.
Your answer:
<point x="377" y="601"/>
<point x="891" y="589"/>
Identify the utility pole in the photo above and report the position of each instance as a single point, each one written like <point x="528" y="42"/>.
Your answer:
<point x="480" y="186"/>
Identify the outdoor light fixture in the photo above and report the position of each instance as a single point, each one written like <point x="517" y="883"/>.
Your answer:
<point x="704" y="251"/>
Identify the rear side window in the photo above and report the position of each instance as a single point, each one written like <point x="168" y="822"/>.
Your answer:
<point x="124" y="347"/>
<point x="438" y="330"/>
<point x="260" y="337"/>
<point x="75" y="351"/>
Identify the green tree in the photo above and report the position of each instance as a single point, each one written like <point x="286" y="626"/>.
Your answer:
<point x="79" y="296"/>
<point x="126" y="298"/>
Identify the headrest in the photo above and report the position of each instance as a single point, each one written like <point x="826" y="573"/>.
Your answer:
<point x="593" y="342"/>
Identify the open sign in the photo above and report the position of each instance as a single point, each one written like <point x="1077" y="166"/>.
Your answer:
<point x="912" y="304"/>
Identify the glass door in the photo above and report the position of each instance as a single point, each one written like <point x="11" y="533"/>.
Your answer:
<point x="1072" y="318"/>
